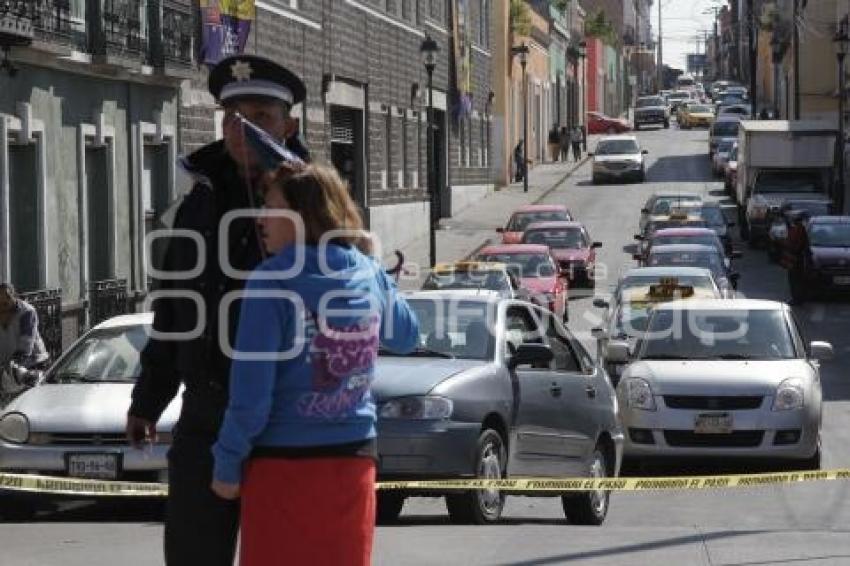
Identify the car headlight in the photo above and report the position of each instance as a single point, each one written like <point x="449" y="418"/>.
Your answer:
<point x="789" y="395"/>
<point x="420" y="408"/>
<point x="15" y="428"/>
<point x="639" y="394"/>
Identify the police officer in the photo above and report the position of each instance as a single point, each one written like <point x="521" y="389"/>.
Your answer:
<point x="201" y="528"/>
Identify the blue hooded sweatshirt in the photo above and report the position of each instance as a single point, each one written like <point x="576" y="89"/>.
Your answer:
<point x="305" y="353"/>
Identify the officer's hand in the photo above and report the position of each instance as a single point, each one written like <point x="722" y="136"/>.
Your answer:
<point x="225" y="490"/>
<point x="139" y="431"/>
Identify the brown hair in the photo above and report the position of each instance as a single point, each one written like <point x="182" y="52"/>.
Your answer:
<point x="321" y="197"/>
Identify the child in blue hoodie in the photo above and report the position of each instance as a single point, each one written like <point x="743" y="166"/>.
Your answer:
<point x="298" y="439"/>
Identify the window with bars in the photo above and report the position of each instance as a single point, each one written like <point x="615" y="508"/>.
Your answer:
<point x="388" y="146"/>
<point x="404" y="179"/>
<point x="469" y="142"/>
<point x="484" y="24"/>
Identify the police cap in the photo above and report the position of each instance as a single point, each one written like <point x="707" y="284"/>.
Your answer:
<point x="250" y="75"/>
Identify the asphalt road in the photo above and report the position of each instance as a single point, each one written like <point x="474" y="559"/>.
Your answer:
<point x="803" y="524"/>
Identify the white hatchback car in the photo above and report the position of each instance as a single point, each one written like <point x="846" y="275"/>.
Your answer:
<point x="722" y="378"/>
<point x="618" y="157"/>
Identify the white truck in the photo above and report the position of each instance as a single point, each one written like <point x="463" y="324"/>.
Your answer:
<point x="780" y="160"/>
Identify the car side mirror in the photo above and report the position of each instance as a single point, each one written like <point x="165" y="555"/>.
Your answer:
<point x="531" y="354"/>
<point x="500" y="230"/>
<point x="601" y="303"/>
<point x="821" y="351"/>
<point x="617" y="353"/>
<point x="645" y="151"/>
<point x="639" y="237"/>
<point x="596" y="245"/>
<point x="644" y="211"/>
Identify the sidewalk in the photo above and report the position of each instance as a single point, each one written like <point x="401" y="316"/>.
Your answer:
<point x="465" y="233"/>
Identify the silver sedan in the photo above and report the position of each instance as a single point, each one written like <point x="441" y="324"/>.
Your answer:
<point x="722" y="378"/>
<point x="72" y="422"/>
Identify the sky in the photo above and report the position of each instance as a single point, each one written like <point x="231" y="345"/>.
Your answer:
<point x="682" y="21"/>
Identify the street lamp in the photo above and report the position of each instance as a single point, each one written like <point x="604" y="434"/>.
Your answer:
<point x="429" y="50"/>
<point x="522" y="52"/>
<point x="842" y="42"/>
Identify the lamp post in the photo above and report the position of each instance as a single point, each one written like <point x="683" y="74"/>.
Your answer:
<point x="842" y="41"/>
<point x="522" y="52"/>
<point x="429" y="50"/>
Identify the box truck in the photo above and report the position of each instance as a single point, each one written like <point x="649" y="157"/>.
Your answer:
<point x="779" y="160"/>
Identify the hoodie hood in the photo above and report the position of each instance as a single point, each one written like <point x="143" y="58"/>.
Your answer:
<point x="328" y="278"/>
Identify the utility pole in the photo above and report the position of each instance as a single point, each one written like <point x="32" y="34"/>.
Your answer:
<point x="752" y="38"/>
<point x="660" y="52"/>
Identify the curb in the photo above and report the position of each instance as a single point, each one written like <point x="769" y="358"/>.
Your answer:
<point x="560" y="181"/>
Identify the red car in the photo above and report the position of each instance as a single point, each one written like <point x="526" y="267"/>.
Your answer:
<point x="571" y="246"/>
<point x="528" y="214"/>
<point x="537" y="271"/>
<point x="599" y="123"/>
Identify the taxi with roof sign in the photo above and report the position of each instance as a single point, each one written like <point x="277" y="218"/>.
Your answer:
<point x="627" y="321"/>
<point x="476" y="277"/>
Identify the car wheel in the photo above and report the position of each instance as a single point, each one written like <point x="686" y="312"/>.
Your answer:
<point x="813" y="462"/>
<point x="590" y="507"/>
<point x="666" y="124"/>
<point x="388" y="507"/>
<point x="596" y="180"/>
<point x="637" y="127"/>
<point x="482" y="506"/>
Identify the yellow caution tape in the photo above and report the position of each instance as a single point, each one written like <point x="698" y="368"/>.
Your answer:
<point x="103" y="488"/>
<point x="78" y="486"/>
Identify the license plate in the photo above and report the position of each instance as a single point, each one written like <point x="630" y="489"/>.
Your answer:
<point x="97" y="466"/>
<point x="713" y="423"/>
<point x="841" y="280"/>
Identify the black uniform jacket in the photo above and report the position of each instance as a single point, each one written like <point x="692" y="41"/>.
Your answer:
<point x="199" y="362"/>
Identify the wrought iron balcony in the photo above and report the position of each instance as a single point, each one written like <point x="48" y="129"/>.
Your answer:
<point x="177" y="35"/>
<point x="54" y="23"/>
<point x="107" y="298"/>
<point x="119" y="30"/>
<point x="16" y="22"/>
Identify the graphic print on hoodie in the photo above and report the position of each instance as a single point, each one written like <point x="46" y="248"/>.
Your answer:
<point x="342" y="360"/>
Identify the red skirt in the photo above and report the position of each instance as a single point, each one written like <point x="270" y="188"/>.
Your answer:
<point x="310" y="511"/>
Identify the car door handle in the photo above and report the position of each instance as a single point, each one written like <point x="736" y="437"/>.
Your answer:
<point x="591" y="391"/>
<point x="555" y="390"/>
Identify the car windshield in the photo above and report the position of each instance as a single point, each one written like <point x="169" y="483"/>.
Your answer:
<point x="656" y="225"/>
<point x="788" y="182"/>
<point x="716" y="334"/>
<point x="647" y="102"/>
<point x="679" y="95"/>
<point x="696" y="281"/>
<point x="521" y="220"/>
<point x="730" y="99"/>
<point x="631" y="319"/>
<point x="556" y="237"/>
<point x="699" y="109"/>
<point x="704" y="240"/>
<point x="467" y="279"/>
<point x="725" y="146"/>
<point x="725" y="129"/>
<point x="823" y="235"/>
<point x="103" y="356"/>
<point x="617" y="147"/>
<point x="708" y="260"/>
<point x="713" y="216"/>
<point x="743" y="110"/>
<point x="457" y="328"/>
<point x="524" y="264"/>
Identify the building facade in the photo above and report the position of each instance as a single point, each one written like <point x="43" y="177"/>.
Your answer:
<point x="89" y="123"/>
<point x="367" y="100"/>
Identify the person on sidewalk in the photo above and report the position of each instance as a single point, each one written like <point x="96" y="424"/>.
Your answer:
<point x="554" y="142"/>
<point x="564" y="140"/>
<point x="794" y="257"/>
<point x="298" y="441"/>
<point x="576" y="140"/>
<point x="201" y="528"/>
<point x="519" y="163"/>
<point x="20" y="341"/>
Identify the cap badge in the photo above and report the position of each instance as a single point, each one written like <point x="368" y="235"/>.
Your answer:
<point x="241" y="70"/>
